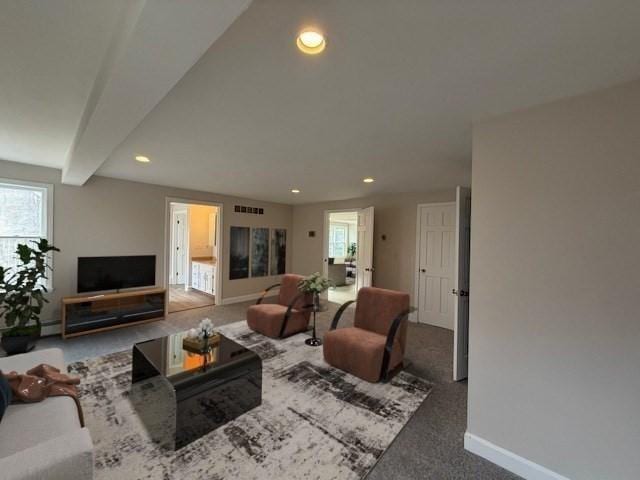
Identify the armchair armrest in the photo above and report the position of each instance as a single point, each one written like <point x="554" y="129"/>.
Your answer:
<point x="290" y="309"/>
<point x="265" y="291"/>
<point x="338" y="315"/>
<point x="388" y="347"/>
<point x="69" y="456"/>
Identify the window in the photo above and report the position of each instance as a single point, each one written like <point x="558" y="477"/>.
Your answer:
<point x="338" y="240"/>
<point x="25" y="215"/>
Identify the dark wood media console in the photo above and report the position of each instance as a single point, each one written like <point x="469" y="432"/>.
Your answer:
<point x="82" y="315"/>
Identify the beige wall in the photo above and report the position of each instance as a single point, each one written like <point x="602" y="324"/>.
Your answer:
<point x="395" y="217"/>
<point x="116" y="217"/>
<point x="555" y="323"/>
<point x="199" y="230"/>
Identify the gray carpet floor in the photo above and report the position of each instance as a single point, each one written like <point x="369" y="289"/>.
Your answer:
<point x="429" y="447"/>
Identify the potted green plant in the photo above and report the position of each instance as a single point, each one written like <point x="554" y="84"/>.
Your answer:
<point x="315" y="284"/>
<point x="22" y="297"/>
<point x="351" y="252"/>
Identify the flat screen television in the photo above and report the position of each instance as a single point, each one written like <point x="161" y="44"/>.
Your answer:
<point x="114" y="273"/>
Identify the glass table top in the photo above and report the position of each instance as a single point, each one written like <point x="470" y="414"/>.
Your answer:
<point x="172" y="360"/>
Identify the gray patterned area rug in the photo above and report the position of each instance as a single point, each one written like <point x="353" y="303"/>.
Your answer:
<point x="315" y="422"/>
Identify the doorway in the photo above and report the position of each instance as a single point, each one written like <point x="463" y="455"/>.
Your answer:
<point x="442" y="272"/>
<point x="341" y="250"/>
<point x="348" y="252"/>
<point x="436" y="246"/>
<point x="193" y="253"/>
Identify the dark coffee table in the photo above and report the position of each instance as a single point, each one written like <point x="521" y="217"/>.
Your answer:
<point x="182" y="395"/>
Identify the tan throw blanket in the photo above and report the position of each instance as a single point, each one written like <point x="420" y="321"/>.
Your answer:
<point x="41" y="382"/>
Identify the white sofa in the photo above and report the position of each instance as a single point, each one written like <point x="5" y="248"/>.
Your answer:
<point x="43" y="440"/>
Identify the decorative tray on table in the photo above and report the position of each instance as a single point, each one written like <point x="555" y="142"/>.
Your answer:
<point x="200" y="345"/>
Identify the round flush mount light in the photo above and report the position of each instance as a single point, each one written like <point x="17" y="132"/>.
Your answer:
<point x="311" y="42"/>
<point x="368" y="180"/>
<point x="295" y="190"/>
<point x="142" y="159"/>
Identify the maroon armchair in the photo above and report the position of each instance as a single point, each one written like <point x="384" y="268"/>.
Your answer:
<point x="373" y="349"/>
<point x="287" y="317"/>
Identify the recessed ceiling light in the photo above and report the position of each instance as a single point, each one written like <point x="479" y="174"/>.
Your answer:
<point x="295" y="190"/>
<point x="142" y="159"/>
<point x="368" y="180"/>
<point x="311" y="42"/>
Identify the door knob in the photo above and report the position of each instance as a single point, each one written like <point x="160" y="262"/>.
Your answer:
<point x="454" y="291"/>
<point x="423" y="270"/>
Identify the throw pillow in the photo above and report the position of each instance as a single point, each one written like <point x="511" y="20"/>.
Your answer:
<point x="5" y="394"/>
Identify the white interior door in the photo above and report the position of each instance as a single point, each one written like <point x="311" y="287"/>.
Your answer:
<point x="436" y="264"/>
<point x="364" y="261"/>
<point x="179" y="247"/>
<point x="461" y="287"/>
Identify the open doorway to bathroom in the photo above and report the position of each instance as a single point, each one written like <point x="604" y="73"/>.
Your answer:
<point x="193" y="255"/>
<point x="341" y="247"/>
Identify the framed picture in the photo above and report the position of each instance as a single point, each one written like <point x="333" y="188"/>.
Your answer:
<point x="259" y="252"/>
<point x="278" y="251"/>
<point x="239" y="253"/>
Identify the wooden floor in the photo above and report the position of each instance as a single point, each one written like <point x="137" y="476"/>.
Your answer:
<point x="180" y="300"/>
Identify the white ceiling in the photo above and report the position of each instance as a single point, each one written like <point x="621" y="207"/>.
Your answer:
<point x="393" y="96"/>
<point x="50" y="54"/>
<point x="79" y="75"/>
<point x="140" y="67"/>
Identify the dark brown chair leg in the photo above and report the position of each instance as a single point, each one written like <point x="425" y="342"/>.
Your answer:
<point x="392" y="373"/>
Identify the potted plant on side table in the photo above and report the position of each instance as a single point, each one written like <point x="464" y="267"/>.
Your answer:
<point x="314" y="284"/>
<point x="22" y="292"/>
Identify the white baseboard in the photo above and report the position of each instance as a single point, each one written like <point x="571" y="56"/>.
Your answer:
<point x="249" y="297"/>
<point x="508" y="460"/>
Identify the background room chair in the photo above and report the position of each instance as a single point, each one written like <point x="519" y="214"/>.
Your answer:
<point x="375" y="345"/>
<point x="287" y="317"/>
<point x="337" y="274"/>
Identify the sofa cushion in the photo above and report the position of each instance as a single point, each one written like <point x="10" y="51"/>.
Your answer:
<point x="267" y="319"/>
<point x="25" y="361"/>
<point x="27" y="424"/>
<point x="289" y="288"/>
<point x="359" y="352"/>
<point x="5" y="394"/>
<point x="377" y="308"/>
<point x="68" y="457"/>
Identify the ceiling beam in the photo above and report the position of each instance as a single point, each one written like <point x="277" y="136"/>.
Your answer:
<point x="155" y="44"/>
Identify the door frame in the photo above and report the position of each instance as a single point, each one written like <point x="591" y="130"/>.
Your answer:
<point x="325" y="236"/>
<point x="325" y="243"/>
<point x="175" y="211"/>
<point x="167" y="242"/>
<point x="413" y="317"/>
